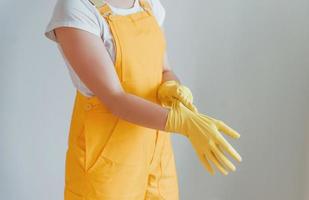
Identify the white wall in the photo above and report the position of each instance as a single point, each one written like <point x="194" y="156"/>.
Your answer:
<point x="306" y="185"/>
<point x="245" y="61"/>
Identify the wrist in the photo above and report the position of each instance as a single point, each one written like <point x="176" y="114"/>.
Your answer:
<point x="177" y="119"/>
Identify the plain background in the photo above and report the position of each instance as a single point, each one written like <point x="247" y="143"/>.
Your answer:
<point x="246" y="63"/>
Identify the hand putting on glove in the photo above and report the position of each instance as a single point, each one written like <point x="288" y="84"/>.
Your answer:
<point x="202" y="130"/>
<point x="172" y="90"/>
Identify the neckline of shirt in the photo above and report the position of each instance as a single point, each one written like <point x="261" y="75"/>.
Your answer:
<point x="124" y="11"/>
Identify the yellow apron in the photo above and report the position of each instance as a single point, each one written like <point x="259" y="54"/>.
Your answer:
<point x="112" y="159"/>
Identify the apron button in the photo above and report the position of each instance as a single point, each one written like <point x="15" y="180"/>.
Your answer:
<point x="87" y="106"/>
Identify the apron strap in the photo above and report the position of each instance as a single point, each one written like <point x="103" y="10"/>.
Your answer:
<point x="97" y="3"/>
<point x="102" y="7"/>
<point x="105" y="10"/>
<point x="145" y="5"/>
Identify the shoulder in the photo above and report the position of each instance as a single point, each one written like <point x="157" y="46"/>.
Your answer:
<point x="75" y="8"/>
<point x="74" y="13"/>
<point x="158" y="10"/>
<point x="70" y="5"/>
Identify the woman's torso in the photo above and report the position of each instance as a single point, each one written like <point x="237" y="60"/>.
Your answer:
<point x="104" y="31"/>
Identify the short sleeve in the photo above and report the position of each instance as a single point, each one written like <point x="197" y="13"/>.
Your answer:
<point x="79" y="14"/>
<point x="158" y="11"/>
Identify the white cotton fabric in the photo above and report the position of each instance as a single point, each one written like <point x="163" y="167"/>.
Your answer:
<point x="82" y="14"/>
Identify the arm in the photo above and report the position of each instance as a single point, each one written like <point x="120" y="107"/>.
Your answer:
<point x="90" y="60"/>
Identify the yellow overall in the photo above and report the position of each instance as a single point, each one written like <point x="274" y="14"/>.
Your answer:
<point x="112" y="159"/>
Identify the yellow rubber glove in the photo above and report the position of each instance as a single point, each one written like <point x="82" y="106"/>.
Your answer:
<point x="203" y="133"/>
<point x="172" y="90"/>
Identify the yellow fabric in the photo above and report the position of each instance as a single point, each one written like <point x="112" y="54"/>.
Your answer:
<point x="169" y="92"/>
<point x="112" y="159"/>
<point x="172" y="90"/>
<point x="203" y="133"/>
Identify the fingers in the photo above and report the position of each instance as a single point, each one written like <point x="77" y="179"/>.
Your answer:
<point x="188" y="104"/>
<point x="211" y="128"/>
<point x="222" y="157"/>
<point x="167" y="90"/>
<point x="184" y="95"/>
<point x="192" y="107"/>
<point x="223" y="127"/>
<point x="226" y="129"/>
<point x="217" y="163"/>
<point x="170" y="91"/>
<point x="206" y="163"/>
<point x="183" y="90"/>
<point x="227" y="147"/>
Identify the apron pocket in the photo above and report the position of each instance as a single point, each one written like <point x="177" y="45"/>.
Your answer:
<point x="98" y="131"/>
<point x="130" y="144"/>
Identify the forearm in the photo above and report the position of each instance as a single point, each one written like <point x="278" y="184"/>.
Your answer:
<point x="93" y="65"/>
<point x="169" y="75"/>
<point x="139" y="111"/>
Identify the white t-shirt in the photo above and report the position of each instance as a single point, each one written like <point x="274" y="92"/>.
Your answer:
<point x="84" y="15"/>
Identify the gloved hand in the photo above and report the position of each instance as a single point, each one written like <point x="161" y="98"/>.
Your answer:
<point x="172" y="90"/>
<point x="203" y="133"/>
